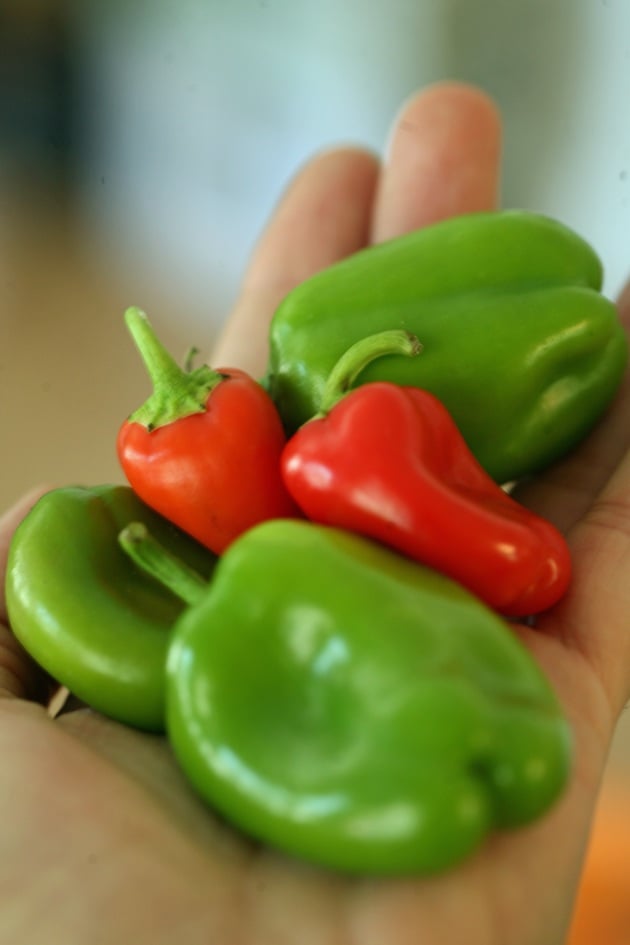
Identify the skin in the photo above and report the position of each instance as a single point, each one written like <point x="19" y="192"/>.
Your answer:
<point x="103" y="841"/>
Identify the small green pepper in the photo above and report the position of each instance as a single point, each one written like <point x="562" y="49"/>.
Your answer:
<point x="85" y="613"/>
<point x="518" y="342"/>
<point x="356" y="709"/>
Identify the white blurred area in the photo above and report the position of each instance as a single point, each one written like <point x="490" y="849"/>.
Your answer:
<point x="144" y="143"/>
<point x="196" y="114"/>
<point x="205" y="111"/>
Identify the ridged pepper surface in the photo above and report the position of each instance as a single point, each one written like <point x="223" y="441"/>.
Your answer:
<point x="355" y="709"/>
<point x="518" y="341"/>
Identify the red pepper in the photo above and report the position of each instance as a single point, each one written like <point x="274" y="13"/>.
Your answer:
<point x="389" y="462"/>
<point x="204" y="450"/>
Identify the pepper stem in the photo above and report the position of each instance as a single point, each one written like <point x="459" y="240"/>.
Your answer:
<point x="177" y="392"/>
<point x="357" y="358"/>
<point x="160" y="564"/>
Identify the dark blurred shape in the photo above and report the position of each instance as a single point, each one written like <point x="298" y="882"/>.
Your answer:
<point x="37" y="92"/>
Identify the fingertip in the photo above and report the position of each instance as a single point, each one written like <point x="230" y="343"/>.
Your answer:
<point x="443" y="159"/>
<point x="445" y="101"/>
<point x="463" y="95"/>
<point x="323" y="216"/>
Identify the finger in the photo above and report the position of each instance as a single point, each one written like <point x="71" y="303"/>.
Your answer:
<point x="623" y="304"/>
<point x="443" y="160"/>
<point x="8" y="524"/>
<point x="447" y="138"/>
<point x="564" y="493"/>
<point x="19" y="675"/>
<point x="593" y="618"/>
<point x="324" y="216"/>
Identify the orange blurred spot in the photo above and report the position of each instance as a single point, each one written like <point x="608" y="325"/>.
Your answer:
<point x="602" y="915"/>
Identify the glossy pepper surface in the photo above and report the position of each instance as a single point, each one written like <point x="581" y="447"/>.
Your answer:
<point x="84" y="612"/>
<point x="204" y="449"/>
<point x="518" y="341"/>
<point x="351" y="707"/>
<point x="390" y="463"/>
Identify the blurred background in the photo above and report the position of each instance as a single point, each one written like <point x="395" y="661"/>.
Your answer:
<point x="143" y="145"/>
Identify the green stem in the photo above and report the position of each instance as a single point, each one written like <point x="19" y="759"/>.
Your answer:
<point x="359" y="356"/>
<point x="162" y="368"/>
<point x="177" y="392"/>
<point x="160" y="564"/>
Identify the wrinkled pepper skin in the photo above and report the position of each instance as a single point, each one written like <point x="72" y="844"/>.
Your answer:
<point x="518" y="342"/>
<point x="84" y="612"/>
<point x="350" y="707"/>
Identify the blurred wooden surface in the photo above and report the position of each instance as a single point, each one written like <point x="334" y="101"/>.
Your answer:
<point x="69" y="372"/>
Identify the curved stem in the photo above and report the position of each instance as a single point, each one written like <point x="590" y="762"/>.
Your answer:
<point x="164" y="567"/>
<point x="161" y="367"/>
<point x="357" y="358"/>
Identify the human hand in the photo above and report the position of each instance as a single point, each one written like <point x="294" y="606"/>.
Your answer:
<point x="103" y="841"/>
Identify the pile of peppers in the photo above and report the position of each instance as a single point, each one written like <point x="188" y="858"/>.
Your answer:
<point x="307" y="580"/>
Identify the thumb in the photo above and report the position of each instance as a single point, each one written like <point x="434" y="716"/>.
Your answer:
<point x="595" y="613"/>
<point x="20" y="677"/>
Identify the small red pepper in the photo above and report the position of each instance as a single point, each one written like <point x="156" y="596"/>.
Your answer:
<point x="204" y="449"/>
<point x="389" y="462"/>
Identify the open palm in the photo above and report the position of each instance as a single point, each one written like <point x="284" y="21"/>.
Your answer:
<point x="102" y="841"/>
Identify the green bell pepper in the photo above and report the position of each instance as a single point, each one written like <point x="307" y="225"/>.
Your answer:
<point x="85" y="613"/>
<point x="518" y="342"/>
<point x="353" y="708"/>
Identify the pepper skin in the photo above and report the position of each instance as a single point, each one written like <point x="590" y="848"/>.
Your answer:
<point x="388" y="462"/>
<point x="84" y="612"/>
<point x="348" y="706"/>
<point x="204" y="449"/>
<point x="518" y="342"/>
